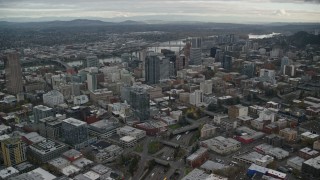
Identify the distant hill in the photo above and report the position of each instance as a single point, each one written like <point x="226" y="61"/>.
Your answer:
<point x="302" y="38"/>
<point x="129" y="22"/>
<point x="72" y="23"/>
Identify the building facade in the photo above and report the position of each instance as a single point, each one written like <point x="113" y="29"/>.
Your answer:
<point x="13" y="71"/>
<point x="13" y="151"/>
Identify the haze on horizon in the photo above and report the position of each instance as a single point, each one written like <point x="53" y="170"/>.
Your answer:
<point x="233" y="11"/>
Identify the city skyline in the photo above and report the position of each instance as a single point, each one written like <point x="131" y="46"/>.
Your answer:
<point x="233" y="11"/>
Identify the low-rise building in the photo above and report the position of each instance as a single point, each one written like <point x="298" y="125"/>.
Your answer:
<point x="237" y="110"/>
<point x="4" y="129"/>
<point x="152" y="128"/>
<point x="247" y="135"/>
<point x="221" y="145"/>
<point x="104" y="128"/>
<point x="254" y="170"/>
<point x="211" y="166"/>
<point x="58" y="164"/>
<point x="309" y="137"/>
<point x="130" y="131"/>
<point x="278" y="153"/>
<point x="311" y="168"/>
<point x="308" y="153"/>
<point x="295" y="162"/>
<point x="104" y="152"/>
<point x="202" y="175"/>
<point x="82" y="163"/>
<point x="35" y="174"/>
<point x="32" y="138"/>
<point x="198" y="158"/>
<point x="8" y="172"/>
<point x="274" y="140"/>
<point x="288" y="134"/>
<point x="128" y="141"/>
<point x="264" y="161"/>
<point x="316" y="145"/>
<point x="208" y="130"/>
<point x="46" y="150"/>
<point x="72" y="155"/>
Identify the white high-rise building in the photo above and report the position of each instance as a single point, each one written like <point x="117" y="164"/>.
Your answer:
<point x="206" y="87"/>
<point x="92" y="81"/>
<point x="53" y="98"/>
<point x="196" y="98"/>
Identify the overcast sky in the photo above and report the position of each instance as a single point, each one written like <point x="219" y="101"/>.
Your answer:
<point x="239" y="11"/>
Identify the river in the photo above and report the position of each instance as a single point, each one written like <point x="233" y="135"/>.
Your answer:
<point x="261" y="36"/>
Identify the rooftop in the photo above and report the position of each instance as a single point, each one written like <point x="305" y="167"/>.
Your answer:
<point x="74" y="122"/>
<point x="4" y="173"/>
<point x="211" y="165"/>
<point x="252" y="156"/>
<point x="196" y="174"/>
<point x="127" y="138"/>
<point x="45" y="146"/>
<point x="310" y="135"/>
<point x="59" y="162"/>
<point x="221" y="142"/>
<point x="101" y="169"/>
<point x="314" y="162"/>
<point x="37" y="174"/>
<point x="296" y="160"/>
<point x="309" y="151"/>
<point x="72" y="153"/>
<point x="82" y="162"/>
<point x="92" y="175"/>
<point x="196" y="154"/>
<point x="34" y="137"/>
<point x="68" y="170"/>
<point x="42" y="108"/>
<point x="104" y="125"/>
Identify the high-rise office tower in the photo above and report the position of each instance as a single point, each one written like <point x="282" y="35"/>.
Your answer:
<point x="164" y="68"/>
<point x="74" y="131"/>
<point x="195" y="51"/>
<point x="213" y="52"/>
<point x="152" y="68"/>
<point x="40" y="112"/>
<point x="92" y="81"/>
<point x="195" y="56"/>
<point x="249" y="69"/>
<point x="196" y="42"/>
<point x="92" y="61"/>
<point x="13" y="73"/>
<point x="13" y="151"/>
<point x="226" y="62"/>
<point x="139" y="101"/>
<point x="181" y="62"/>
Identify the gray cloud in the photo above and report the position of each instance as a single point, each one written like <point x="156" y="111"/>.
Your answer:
<point x="205" y="10"/>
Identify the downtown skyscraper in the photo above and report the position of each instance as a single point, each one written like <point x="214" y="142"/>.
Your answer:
<point x="13" y="72"/>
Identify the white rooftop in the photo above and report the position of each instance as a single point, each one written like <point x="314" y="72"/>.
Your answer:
<point x="4" y="173"/>
<point x="92" y="175"/>
<point x="314" y="162"/>
<point x="127" y="138"/>
<point x="44" y="174"/>
<point x="71" y="169"/>
<point x="74" y="122"/>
